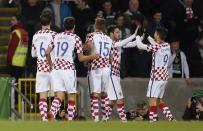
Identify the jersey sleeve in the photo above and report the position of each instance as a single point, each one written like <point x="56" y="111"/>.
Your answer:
<point x="78" y="44"/>
<point x="153" y="47"/>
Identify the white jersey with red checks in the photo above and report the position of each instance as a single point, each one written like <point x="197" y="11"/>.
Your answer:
<point x="64" y="45"/>
<point x="115" y="64"/>
<point x="40" y="42"/>
<point x="101" y="45"/>
<point x="160" y="59"/>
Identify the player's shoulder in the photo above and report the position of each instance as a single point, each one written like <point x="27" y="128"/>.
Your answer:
<point x="91" y="34"/>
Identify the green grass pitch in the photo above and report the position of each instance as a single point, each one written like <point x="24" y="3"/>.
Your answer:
<point x="101" y="126"/>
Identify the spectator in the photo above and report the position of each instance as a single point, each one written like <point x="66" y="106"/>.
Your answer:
<point x="155" y="22"/>
<point x="195" y="58"/>
<point x="84" y="18"/>
<point x="178" y="63"/>
<point x="194" y="108"/>
<point x="185" y="17"/>
<point x="108" y="12"/>
<point x="133" y="8"/>
<point x="60" y="10"/>
<point x="18" y="36"/>
<point x="120" y="22"/>
<point x="141" y="113"/>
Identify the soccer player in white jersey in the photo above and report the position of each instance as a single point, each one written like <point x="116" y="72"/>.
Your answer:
<point x="40" y="42"/>
<point x="63" y="68"/>
<point x="114" y="91"/>
<point x="99" y="69"/>
<point x="159" y="73"/>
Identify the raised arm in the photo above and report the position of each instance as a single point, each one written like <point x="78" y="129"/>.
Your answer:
<point x="150" y="39"/>
<point x="127" y="40"/>
<point x="140" y="45"/>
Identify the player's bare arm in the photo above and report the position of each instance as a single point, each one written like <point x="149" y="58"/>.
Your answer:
<point x="83" y="58"/>
<point x="48" y="56"/>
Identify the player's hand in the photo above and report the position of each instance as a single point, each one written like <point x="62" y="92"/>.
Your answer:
<point x="94" y="56"/>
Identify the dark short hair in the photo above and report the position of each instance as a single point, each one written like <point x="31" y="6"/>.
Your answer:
<point x="100" y="24"/>
<point x="119" y="15"/>
<point x="45" y="19"/>
<point x="69" y="23"/>
<point x="111" y="29"/>
<point x="162" y="32"/>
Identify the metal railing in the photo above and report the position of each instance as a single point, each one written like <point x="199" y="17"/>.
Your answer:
<point x="27" y="103"/>
<point x="24" y="100"/>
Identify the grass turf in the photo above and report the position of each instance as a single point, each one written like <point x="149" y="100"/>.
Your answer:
<point x="101" y="126"/>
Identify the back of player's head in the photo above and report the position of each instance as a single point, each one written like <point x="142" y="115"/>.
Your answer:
<point x="111" y="29"/>
<point x="100" y="24"/>
<point x="69" y="23"/>
<point x="162" y="32"/>
<point x="45" y="19"/>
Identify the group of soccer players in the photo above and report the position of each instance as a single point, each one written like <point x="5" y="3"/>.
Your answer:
<point x="56" y="68"/>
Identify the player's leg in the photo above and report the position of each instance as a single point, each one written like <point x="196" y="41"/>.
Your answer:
<point x="95" y="90"/>
<point x="118" y="94"/>
<point x="153" y="116"/>
<point x="121" y="109"/>
<point x="55" y="105"/>
<point x="104" y="97"/>
<point x="152" y="94"/>
<point x="42" y="87"/>
<point x="70" y="84"/>
<point x="95" y="106"/>
<point x="165" y="109"/>
<point x="43" y="105"/>
<point x="59" y="89"/>
<point x="110" y="109"/>
<point x="71" y="106"/>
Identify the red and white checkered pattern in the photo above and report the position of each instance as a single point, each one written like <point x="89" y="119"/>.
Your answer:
<point x="104" y="107"/>
<point x="115" y="64"/>
<point x="43" y="109"/>
<point x="160" y="59"/>
<point x="166" y="111"/>
<point x="45" y="36"/>
<point x="160" y="73"/>
<point x="71" y="110"/>
<point x="55" y="106"/>
<point x="95" y="108"/>
<point x="42" y="65"/>
<point x="121" y="112"/>
<point x="61" y="64"/>
<point x="100" y="62"/>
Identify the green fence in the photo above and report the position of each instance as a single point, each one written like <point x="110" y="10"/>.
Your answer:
<point x="5" y="89"/>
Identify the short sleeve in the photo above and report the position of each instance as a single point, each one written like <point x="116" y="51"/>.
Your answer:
<point x="78" y="44"/>
<point x="153" y="47"/>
